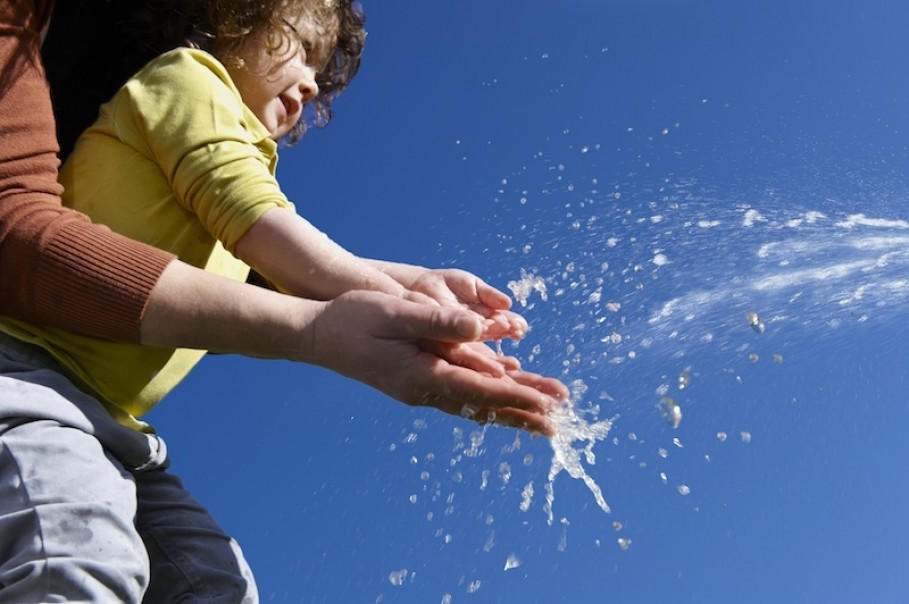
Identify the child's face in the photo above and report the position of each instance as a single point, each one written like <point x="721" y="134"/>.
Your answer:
<point x="276" y="85"/>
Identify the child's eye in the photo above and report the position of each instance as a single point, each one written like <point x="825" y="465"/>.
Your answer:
<point x="306" y="44"/>
<point x="290" y="26"/>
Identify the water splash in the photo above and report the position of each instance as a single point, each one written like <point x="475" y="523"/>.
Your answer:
<point x="575" y="439"/>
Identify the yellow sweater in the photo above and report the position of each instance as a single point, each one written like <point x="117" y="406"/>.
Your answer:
<point x="178" y="161"/>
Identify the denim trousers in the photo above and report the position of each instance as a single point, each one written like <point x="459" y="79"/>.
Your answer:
<point x="88" y="509"/>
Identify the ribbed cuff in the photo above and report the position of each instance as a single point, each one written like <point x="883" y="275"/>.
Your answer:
<point x="92" y="281"/>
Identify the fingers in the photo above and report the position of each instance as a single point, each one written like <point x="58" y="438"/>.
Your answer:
<point x="491" y="297"/>
<point x="420" y="298"/>
<point x="465" y="389"/>
<point x="473" y="355"/>
<point x="471" y="290"/>
<point x="550" y="386"/>
<point x="511" y="418"/>
<point x="516" y="418"/>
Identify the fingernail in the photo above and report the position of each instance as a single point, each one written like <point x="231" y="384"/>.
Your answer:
<point x="468" y="327"/>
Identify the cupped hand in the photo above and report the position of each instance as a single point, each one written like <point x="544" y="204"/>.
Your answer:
<point x="455" y="287"/>
<point x="382" y="341"/>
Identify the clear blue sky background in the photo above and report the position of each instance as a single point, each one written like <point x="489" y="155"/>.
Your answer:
<point x="664" y="166"/>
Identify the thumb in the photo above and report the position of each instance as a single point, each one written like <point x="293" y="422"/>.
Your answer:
<point x="449" y="324"/>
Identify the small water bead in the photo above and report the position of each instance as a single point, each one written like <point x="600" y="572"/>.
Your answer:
<point x="505" y="472"/>
<point x="490" y="542"/>
<point x="684" y="380"/>
<point x="397" y="577"/>
<point x="683" y="489"/>
<point x="526" y="497"/>
<point x="670" y="412"/>
<point x="624" y="543"/>
<point x="754" y="321"/>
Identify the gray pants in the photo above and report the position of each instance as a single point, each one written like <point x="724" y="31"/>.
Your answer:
<point x="88" y="510"/>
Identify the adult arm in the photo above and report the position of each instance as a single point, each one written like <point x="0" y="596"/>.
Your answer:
<point x="55" y="266"/>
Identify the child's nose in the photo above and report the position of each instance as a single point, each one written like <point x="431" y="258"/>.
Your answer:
<point x="308" y="87"/>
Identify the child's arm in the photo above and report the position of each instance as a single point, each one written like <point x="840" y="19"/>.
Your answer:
<point x="301" y="260"/>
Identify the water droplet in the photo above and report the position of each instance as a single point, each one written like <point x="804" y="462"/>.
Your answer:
<point x="670" y="411"/>
<point x="754" y="321"/>
<point x="526" y="497"/>
<point x="396" y="577"/>
<point x="684" y="380"/>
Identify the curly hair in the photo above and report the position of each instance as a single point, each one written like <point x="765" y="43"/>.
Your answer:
<point x="221" y="26"/>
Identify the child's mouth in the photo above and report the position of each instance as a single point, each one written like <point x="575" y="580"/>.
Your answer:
<point x="291" y="106"/>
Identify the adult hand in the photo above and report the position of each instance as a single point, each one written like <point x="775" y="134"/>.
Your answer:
<point x="386" y="342"/>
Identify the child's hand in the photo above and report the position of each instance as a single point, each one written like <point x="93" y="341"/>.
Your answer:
<point x="454" y="287"/>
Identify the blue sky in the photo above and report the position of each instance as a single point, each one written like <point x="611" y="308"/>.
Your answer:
<point x="664" y="166"/>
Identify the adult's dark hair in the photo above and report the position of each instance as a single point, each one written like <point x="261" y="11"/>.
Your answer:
<point x="91" y="49"/>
